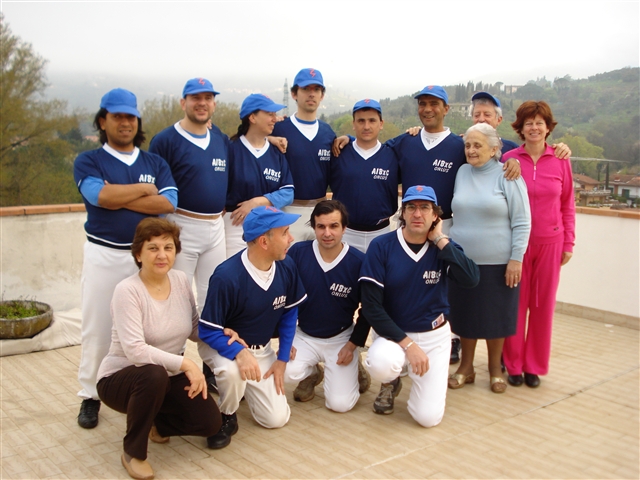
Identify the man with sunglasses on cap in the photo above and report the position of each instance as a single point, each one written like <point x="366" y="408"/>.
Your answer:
<point x="254" y="292"/>
<point x="403" y="285"/>
<point x="308" y="150"/>
<point x="120" y="185"/>
<point x="364" y="177"/>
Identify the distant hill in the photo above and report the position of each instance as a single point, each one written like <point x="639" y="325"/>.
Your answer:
<point x="604" y="109"/>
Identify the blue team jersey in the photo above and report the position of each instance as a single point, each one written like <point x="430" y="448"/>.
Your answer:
<point x="309" y="160"/>
<point x="116" y="227"/>
<point x="251" y="176"/>
<point x="414" y="284"/>
<point x="367" y="187"/>
<point x="507" y="145"/>
<point x="199" y="167"/>
<point x="237" y="300"/>
<point x="333" y="289"/>
<point x="435" y="168"/>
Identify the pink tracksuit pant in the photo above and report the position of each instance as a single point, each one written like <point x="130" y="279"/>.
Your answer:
<point x="530" y="348"/>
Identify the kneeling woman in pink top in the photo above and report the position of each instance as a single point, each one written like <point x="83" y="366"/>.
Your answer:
<point x="550" y="187"/>
<point x="145" y="373"/>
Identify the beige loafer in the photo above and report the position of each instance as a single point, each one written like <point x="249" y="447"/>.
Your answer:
<point x="139" y="469"/>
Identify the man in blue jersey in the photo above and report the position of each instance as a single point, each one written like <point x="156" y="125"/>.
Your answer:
<point x="329" y="270"/>
<point x="197" y="156"/>
<point x="120" y="185"/>
<point x="404" y="297"/>
<point x="308" y="150"/>
<point x="253" y="292"/>
<point x="365" y="177"/>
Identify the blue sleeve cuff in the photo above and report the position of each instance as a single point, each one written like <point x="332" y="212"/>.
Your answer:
<point x="171" y="194"/>
<point x="216" y="339"/>
<point x="287" y="330"/>
<point x="281" y="198"/>
<point x="90" y="189"/>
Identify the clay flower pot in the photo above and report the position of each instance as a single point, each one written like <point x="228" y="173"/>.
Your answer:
<point x="25" y="327"/>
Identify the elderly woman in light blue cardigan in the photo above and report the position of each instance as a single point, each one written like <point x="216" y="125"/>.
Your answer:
<point x="492" y="222"/>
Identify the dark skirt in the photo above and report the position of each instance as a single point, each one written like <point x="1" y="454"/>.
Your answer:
<point x="489" y="310"/>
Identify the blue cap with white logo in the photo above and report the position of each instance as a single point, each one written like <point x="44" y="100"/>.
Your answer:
<point x="420" y="192"/>
<point x="435" y="91"/>
<point x="198" y="85"/>
<point x="487" y="96"/>
<point x="367" y="103"/>
<point x="308" y="76"/>
<point x="120" y="100"/>
<point x="262" y="219"/>
<point x="258" y="101"/>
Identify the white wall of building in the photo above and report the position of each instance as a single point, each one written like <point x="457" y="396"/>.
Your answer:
<point x="41" y="258"/>
<point x="604" y="272"/>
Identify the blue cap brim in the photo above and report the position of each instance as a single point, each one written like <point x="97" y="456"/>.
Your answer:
<point x="123" y="109"/>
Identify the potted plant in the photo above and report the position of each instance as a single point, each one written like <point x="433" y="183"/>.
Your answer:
<point x="23" y="318"/>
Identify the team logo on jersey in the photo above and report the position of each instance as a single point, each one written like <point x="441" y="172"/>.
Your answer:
<point x="380" y="174"/>
<point x="219" y="164"/>
<point x="279" y="302"/>
<point x="442" y="166"/>
<point x="271" y="174"/>
<point x="431" y="277"/>
<point x="324" y="155"/>
<point x="145" y="178"/>
<point x="338" y="290"/>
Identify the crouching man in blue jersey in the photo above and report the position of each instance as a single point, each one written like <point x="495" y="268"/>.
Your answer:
<point x="329" y="270"/>
<point x="252" y="292"/>
<point x="404" y="298"/>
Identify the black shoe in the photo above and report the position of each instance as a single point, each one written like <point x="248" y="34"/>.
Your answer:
<point x="515" y="380"/>
<point x="223" y="437"/>
<point x="531" y="380"/>
<point x="455" y="351"/>
<point x="88" y="416"/>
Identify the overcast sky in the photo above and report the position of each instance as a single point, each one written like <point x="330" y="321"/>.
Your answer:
<point x="375" y="48"/>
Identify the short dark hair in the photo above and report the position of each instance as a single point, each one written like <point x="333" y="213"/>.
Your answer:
<point x="326" y="207"/>
<point x="401" y="223"/>
<point x="154" y="227"/>
<point x="102" y="113"/>
<point x="530" y="109"/>
<point x="367" y="109"/>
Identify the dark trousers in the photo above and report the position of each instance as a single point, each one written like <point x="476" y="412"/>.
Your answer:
<point x="148" y="395"/>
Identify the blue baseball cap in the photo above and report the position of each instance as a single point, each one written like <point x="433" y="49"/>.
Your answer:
<point x="120" y="100"/>
<point x="435" y="91"/>
<point x="198" y="85"/>
<point x="258" y="101"/>
<point x="367" y="103"/>
<point x="420" y="192"/>
<point x="262" y="219"/>
<point x="487" y="96"/>
<point x="308" y="76"/>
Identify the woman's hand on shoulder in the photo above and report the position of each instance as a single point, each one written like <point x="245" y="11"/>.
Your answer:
<point x="196" y="378"/>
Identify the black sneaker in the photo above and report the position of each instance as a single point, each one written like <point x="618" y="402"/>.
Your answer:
<point x="223" y="437"/>
<point x="455" y="351"/>
<point x="88" y="416"/>
<point x="383" y="403"/>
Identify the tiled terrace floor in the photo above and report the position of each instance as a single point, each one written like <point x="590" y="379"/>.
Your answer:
<point x="581" y="423"/>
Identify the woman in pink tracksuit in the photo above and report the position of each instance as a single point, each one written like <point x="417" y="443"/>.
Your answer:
<point x="550" y="186"/>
